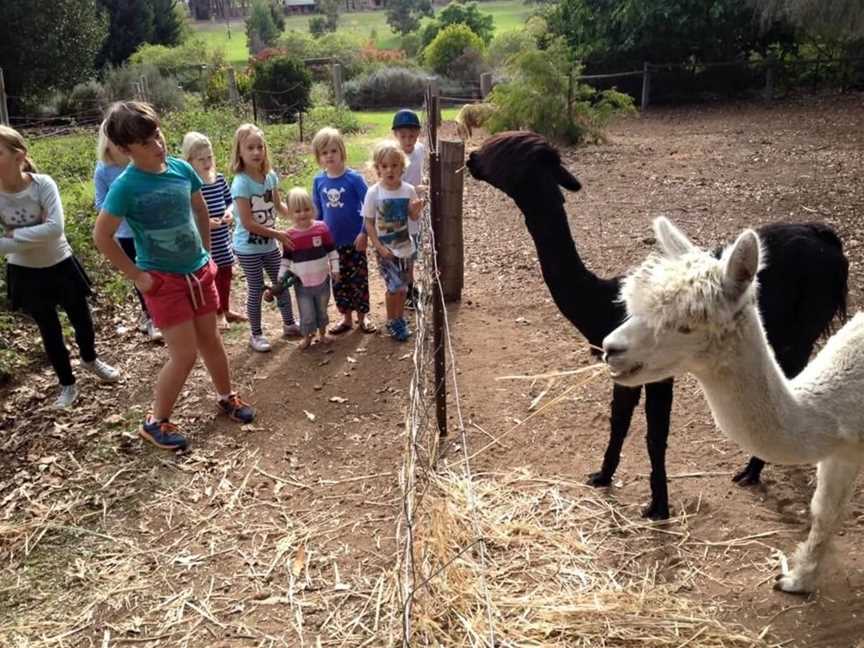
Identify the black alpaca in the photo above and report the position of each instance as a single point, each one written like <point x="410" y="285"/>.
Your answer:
<point x="802" y="290"/>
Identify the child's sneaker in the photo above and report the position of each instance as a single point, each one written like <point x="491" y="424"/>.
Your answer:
<point x="290" y="331"/>
<point x="151" y="331"/>
<point x="398" y="330"/>
<point x="68" y="395"/>
<point x="236" y="409"/>
<point x="162" y="434"/>
<point x="102" y="370"/>
<point x="259" y="343"/>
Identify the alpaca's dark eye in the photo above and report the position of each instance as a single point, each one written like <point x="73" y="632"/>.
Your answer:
<point x="685" y="330"/>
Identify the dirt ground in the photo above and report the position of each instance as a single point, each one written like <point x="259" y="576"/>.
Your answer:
<point x="282" y="533"/>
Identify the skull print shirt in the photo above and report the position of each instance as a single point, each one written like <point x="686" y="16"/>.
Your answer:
<point x="339" y="201"/>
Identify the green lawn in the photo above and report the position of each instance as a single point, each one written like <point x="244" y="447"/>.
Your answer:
<point x="508" y="14"/>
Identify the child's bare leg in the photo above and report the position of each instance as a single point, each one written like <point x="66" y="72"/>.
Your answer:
<point x="323" y="337"/>
<point x="213" y="352"/>
<point x="306" y="342"/>
<point x="182" y="352"/>
<point x="390" y="300"/>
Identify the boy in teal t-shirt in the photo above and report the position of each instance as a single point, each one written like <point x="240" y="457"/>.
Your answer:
<point x="157" y="195"/>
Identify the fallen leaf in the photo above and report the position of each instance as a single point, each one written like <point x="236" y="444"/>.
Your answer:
<point x="114" y="419"/>
<point x="299" y="562"/>
<point x="338" y="399"/>
<point x="351" y="360"/>
<point x="309" y="415"/>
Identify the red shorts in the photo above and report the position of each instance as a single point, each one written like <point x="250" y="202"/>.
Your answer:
<point x="176" y="298"/>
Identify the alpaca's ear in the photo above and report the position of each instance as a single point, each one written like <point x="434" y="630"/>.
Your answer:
<point x="742" y="264"/>
<point x="567" y="179"/>
<point x="672" y="241"/>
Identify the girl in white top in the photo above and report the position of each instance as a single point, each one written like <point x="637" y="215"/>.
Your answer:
<point x="41" y="271"/>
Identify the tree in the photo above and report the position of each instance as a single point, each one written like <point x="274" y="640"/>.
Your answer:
<point x="458" y="12"/>
<point x="261" y="29"/>
<point x="450" y="43"/>
<point x="404" y="16"/>
<point x="834" y="18"/>
<point x="49" y="46"/>
<point x="134" y="22"/>
<point x="281" y="85"/>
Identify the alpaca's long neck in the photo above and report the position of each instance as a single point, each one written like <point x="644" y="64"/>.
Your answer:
<point x="753" y="403"/>
<point x="582" y="297"/>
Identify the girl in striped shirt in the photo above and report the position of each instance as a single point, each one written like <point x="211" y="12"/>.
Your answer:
<point x="198" y="152"/>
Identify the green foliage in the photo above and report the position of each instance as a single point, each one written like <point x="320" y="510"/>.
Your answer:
<point x="188" y="63"/>
<point x="330" y="9"/>
<point x="450" y="43"/>
<point x="404" y="16"/>
<point x="133" y="22"/>
<point x="460" y="13"/>
<point x="35" y="32"/>
<point x="163" y="92"/>
<point x="346" y="47"/>
<point x="318" y="26"/>
<point x="216" y="90"/>
<point x="508" y="44"/>
<point x="842" y="19"/>
<point x="621" y="34"/>
<point x="321" y="94"/>
<point x="536" y="98"/>
<point x="335" y="116"/>
<point x="281" y="86"/>
<point x="86" y="101"/>
<point x="411" y="44"/>
<point x="386" y="87"/>
<point x="261" y="28"/>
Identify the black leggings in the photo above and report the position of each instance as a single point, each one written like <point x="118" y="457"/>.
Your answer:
<point x="47" y="319"/>
<point x="128" y="245"/>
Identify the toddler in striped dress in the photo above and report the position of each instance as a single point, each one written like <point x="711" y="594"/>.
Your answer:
<point x="198" y="152"/>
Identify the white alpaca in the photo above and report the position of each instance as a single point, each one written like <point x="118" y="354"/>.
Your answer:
<point x="691" y="312"/>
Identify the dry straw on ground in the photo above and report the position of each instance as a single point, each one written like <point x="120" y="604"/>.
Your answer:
<point x="563" y="568"/>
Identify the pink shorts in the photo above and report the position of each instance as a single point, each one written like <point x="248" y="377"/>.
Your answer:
<point x="176" y="298"/>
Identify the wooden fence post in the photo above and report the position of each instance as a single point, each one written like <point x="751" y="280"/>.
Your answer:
<point x="4" y="107"/>
<point x="435" y="92"/>
<point x="254" y="108"/>
<point x="436" y="212"/>
<point x="450" y="242"/>
<point x="300" y="124"/>
<point x="646" y="85"/>
<point x="338" y="96"/>
<point x="233" y="93"/>
<point x="768" y="92"/>
<point x="485" y="84"/>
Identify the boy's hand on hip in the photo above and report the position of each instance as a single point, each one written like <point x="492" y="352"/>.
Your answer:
<point x="144" y="281"/>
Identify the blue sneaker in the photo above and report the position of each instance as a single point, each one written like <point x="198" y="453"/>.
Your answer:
<point x="399" y="330"/>
<point x="236" y="409"/>
<point x="162" y="434"/>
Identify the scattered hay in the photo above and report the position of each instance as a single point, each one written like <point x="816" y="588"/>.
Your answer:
<point x="561" y="569"/>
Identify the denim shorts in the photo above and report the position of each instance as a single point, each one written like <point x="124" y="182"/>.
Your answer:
<point x="312" y="302"/>
<point x="396" y="273"/>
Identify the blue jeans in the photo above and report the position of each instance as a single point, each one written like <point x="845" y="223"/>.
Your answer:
<point x="312" y="301"/>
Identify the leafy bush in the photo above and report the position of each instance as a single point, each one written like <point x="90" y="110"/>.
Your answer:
<point x="281" y="86"/>
<point x="536" y="98"/>
<point x="321" y="94"/>
<point x="450" y="43"/>
<point x="162" y="92"/>
<point x="261" y="28"/>
<point x="411" y="44"/>
<point x="387" y="87"/>
<point x="86" y="101"/>
<point x="318" y="26"/>
<point x="185" y="62"/>
<point x="459" y="13"/>
<point x="216" y="89"/>
<point x="508" y="44"/>
<point x="468" y="66"/>
<point x="337" y="117"/>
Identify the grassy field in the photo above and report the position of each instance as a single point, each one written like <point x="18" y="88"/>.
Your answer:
<point x="508" y="14"/>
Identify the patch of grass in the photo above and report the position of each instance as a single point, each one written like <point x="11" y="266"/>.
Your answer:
<point x="508" y="14"/>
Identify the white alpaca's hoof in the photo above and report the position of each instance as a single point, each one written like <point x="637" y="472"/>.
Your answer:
<point x="794" y="582"/>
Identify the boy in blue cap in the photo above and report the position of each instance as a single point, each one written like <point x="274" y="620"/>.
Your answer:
<point x="406" y="131"/>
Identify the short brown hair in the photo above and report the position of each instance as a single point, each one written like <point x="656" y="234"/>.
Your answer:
<point x="130" y="122"/>
<point x="324" y="138"/>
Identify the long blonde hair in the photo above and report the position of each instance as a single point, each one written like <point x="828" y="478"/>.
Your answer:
<point x="104" y="145"/>
<point x="243" y="131"/>
<point x="12" y="140"/>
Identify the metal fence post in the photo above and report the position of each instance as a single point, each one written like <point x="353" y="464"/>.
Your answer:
<point x="4" y="107"/>
<point x="646" y="85"/>
<point x="338" y="96"/>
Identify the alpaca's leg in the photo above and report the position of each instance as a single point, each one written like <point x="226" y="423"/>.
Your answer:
<point x="624" y="401"/>
<point x="835" y="482"/>
<point x="658" y="411"/>
<point x="751" y="474"/>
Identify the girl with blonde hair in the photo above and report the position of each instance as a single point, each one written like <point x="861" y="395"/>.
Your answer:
<point x="255" y="192"/>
